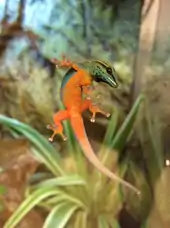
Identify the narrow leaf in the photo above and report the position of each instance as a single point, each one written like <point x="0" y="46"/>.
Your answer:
<point x="60" y="215"/>
<point x="81" y="219"/>
<point x="30" y="202"/>
<point x="155" y="137"/>
<point x="69" y="198"/>
<point x="114" y="224"/>
<point x="52" y="201"/>
<point x="125" y="130"/>
<point x="105" y="150"/>
<point x="102" y="222"/>
<point x="61" y="181"/>
<point x="46" y="151"/>
<point x="111" y="128"/>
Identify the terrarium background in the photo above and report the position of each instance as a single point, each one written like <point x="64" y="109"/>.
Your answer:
<point x="84" y="29"/>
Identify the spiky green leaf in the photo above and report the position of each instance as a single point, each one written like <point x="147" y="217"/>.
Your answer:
<point x="122" y="135"/>
<point x="61" y="181"/>
<point x="103" y="222"/>
<point x="31" y="201"/>
<point x="114" y="224"/>
<point x="81" y="219"/>
<point x="111" y="128"/>
<point x="60" y="215"/>
<point x="45" y="150"/>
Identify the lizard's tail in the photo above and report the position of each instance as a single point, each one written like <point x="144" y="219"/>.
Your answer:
<point x="79" y="131"/>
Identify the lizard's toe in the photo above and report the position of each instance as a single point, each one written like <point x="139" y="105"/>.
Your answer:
<point x="92" y="120"/>
<point x="50" y="127"/>
<point x="65" y="138"/>
<point x="50" y="139"/>
<point x="108" y="114"/>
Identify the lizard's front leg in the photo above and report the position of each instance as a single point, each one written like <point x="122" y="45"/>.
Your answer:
<point x="88" y="104"/>
<point x="94" y="109"/>
<point x="57" y="128"/>
<point x="65" y="62"/>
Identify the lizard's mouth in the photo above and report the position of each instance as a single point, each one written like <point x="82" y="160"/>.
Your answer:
<point x="111" y="82"/>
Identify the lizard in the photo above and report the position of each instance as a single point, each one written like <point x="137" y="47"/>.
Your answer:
<point x="76" y="83"/>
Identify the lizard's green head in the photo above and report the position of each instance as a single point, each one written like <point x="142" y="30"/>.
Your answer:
<point x="102" y="72"/>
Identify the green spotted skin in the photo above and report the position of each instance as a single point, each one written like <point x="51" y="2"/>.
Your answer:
<point x="101" y="72"/>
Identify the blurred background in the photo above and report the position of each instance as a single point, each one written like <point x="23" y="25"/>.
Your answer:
<point x="134" y="37"/>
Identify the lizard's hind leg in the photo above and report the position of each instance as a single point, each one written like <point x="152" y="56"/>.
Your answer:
<point x="57" y="127"/>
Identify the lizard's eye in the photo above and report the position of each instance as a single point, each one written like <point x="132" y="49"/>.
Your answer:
<point x="109" y="70"/>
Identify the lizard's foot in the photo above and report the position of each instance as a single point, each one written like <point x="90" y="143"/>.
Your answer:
<point x="87" y="104"/>
<point x="65" y="62"/>
<point x="94" y="109"/>
<point x="56" y="131"/>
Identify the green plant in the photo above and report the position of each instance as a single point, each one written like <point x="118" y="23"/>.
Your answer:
<point x="150" y="130"/>
<point x="151" y="172"/>
<point x="75" y="196"/>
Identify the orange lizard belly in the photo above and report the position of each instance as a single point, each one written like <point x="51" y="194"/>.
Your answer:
<point x="71" y="93"/>
<point x="72" y="98"/>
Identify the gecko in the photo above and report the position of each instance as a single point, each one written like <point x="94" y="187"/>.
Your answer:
<point x="76" y="83"/>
